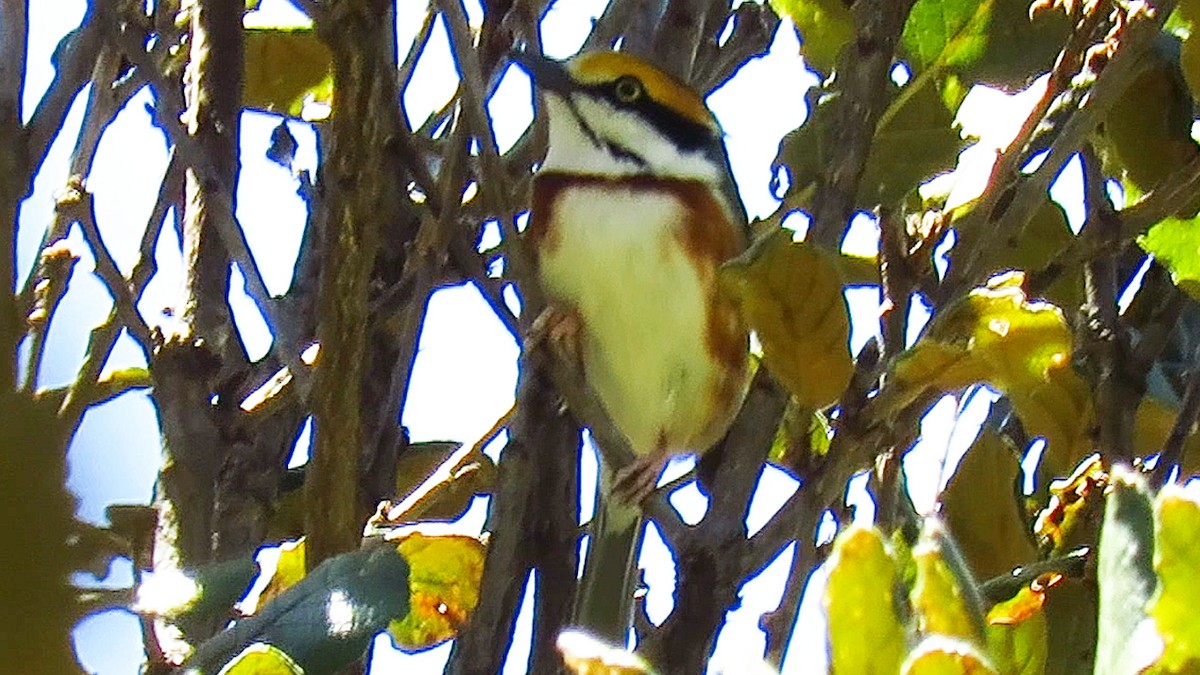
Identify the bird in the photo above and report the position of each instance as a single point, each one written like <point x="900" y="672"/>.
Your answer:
<point x="633" y="211"/>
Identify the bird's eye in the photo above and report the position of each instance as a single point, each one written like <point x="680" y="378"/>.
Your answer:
<point x="628" y="89"/>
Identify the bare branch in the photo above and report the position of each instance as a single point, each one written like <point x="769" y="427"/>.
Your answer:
<point x="74" y="63"/>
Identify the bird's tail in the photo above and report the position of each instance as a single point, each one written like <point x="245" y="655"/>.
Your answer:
<point x="604" y="604"/>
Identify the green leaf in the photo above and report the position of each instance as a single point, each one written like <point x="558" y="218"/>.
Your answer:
<point x="284" y="68"/>
<point x="825" y="26"/>
<point x="1125" y="574"/>
<point x="941" y="655"/>
<point x="915" y="140"/>
<point x="981" y="507"/>
<point x="252" y="5"/>
<point x="802" y="439"/>
<point x="865" y="633"/>
<point x="1150" y="142"/>
<point x="1016" y="633"/>
<point x="1177" y="562"/>
<point x="945" y="32"/>
<point x="1175" y="243"/>
<point x="992" y="42"/>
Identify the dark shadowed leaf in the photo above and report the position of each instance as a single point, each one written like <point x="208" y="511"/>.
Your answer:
<point x="1150" y="142"/>
<point x="981" y="507"/>
<point x="915" y="140"/>
<point x="325" y="621"/>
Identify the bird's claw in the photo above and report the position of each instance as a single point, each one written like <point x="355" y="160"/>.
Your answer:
<point x="560" y="329"/>
<point x="637" y="481"/>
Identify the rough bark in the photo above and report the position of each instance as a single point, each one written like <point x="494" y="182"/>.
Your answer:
<point x="188" y="363"/>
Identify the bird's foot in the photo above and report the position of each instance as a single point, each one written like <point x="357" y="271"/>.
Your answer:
<point x="560" y="329"/>
<point x="633" y="484"/>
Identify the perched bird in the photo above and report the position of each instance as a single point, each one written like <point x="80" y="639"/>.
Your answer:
<point x="634" y="209"/>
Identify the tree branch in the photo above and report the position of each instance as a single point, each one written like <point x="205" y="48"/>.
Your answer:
<point x="360" y="176"/>
<point x="863" y="68"/>
<point x="14" y="33"/>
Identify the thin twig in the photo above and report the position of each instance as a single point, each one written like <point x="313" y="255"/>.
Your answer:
<point x="1174" y="447"/>
<point x="1029" y="192"/>
<point x="1105" y="339"/>
<point x="999" y="589"/>
<point x="80" y="207"/>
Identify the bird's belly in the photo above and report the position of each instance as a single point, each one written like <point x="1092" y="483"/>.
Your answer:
<point x="644" y="304"/>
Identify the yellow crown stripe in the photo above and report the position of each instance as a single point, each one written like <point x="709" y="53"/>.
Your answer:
<point x="600" y="67"/>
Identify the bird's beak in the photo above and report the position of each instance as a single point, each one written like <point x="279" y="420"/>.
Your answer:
<point x="548" y="75"/>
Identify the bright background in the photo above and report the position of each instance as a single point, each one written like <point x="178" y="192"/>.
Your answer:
<point x="465" y="372"/>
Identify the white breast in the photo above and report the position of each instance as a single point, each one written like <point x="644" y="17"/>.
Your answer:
<point x="644" y="306"/>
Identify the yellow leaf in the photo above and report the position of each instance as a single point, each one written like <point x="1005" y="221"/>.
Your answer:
<point x="938" y="597"/>
<point x="262" y="659"/>
<point x="981" y="506"/>
<point x="1016" y="633"/>
<point x="865" y="634"/>
<point x="285" y="67"/>
<point x="1021" y="347"/>
<point x="288" y="571"/>
<point x="790" y="293"/>
<point x="1177" y="565"/>
<point x="444" y="576"/>
<point x="940" y="655"/>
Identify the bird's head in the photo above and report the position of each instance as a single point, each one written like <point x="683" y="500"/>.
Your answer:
<point x="613" y="114"/>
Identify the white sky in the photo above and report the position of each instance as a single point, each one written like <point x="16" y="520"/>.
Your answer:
<point x="466" y="368"/>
